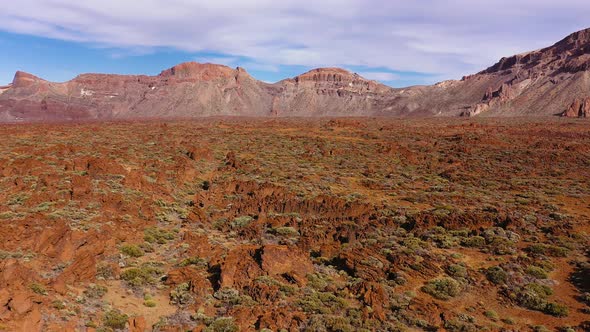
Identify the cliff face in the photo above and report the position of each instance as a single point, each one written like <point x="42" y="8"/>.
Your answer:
<point x="542" y="82"/>
<point x="551" y="81"/>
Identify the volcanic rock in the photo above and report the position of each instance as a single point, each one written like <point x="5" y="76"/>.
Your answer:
<point x="580" y="108"/>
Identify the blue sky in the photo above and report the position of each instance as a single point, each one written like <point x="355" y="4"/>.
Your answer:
<point x="399" y="43"/>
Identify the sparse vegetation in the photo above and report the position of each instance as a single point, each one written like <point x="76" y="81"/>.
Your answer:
<point x="327" y="227"/>
<point x="146" y="274"/>
<point x="132" y="250"/>
<point x="115" y="319"/>
<point x="442" y="289"/>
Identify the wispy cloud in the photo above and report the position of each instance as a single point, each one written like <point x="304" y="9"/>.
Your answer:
<point x="441" y="38"/>
<point x="380" y="76"/>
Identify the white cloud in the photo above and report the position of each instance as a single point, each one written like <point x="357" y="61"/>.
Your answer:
<point x="379" y="76"/>
<point x="442" y="38"/>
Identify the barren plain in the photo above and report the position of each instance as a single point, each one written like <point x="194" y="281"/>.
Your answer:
<point x="349" y="224"/>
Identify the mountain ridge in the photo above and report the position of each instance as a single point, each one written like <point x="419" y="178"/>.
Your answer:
<point x="554" y="80"/>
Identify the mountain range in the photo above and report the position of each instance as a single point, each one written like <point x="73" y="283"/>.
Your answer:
<point x="546" y="82"/>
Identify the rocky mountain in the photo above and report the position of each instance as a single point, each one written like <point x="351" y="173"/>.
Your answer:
<point x="551" y="81"/>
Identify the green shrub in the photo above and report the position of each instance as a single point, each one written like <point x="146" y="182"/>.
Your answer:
<point x="181" y="294"/>
<point x="132" y="250"/>
<point x="228" y="295"/>
<point x="193" y="261"/>
<point x="115" y="319"/>
<point x="95" y="291"/>
<point x="496" y="274"/>
<point x="442" y="289"/>
<point x="457" y="270"/>
<point x="242" y="221"/>
<point x="491" y="314"/>
<point x="222" y="324"/>
<point x="549" y="250"/>
<point x="141" y="276"/>
<point x="536" y="272"/>
<point x="556" y="309"/>
<point x="38" y="288"/>
<point x="325" y="303"/>
<point x="285" y="231"/>
<point x="473" y="242"/>
<point x="541" y="290"/>
<point x="158" y="235"/>
<point x="534" y="296"/>
<point x="149" y="303"/>
<point x="59" y="305"/>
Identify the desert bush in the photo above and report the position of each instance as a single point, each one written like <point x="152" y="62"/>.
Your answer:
<point x="540" y="328"/>
<point x="473" y="242"/>
<point x="149" y="301"/>
<point x="141" y="276"/>
<point x="548" y="250"/>
<point x="285" y="231"/>
<point x="242" y="221"/>
<point x="57" y="304"/>
<point x="115" y="319"/>
<point x="104" y="271"/>
<point x="228" y="295"/>
<point x="222" y="324"/>
<point x="330" y="323"/>
<point x="132" y="250"/>
<point x="322" y="303"/>
<point x="38" y="288"/>
<point x="95" y="291"/>
<point x="158" y="235"/>
<point x="181" y="294"/>
<point x="534" y="296"/>
<point x="491" y="314"/>
<point x="457" y="270"/>
<point x="556" y="309"/>
<point x="501" y="246"/>
<point x="496" y="274"/>
<point x="198" y="261"/>
<point x="442" y="289"/>
<point x="536" y="272"/>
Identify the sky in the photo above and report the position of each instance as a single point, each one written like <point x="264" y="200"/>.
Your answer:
<point x="397" y="42"/>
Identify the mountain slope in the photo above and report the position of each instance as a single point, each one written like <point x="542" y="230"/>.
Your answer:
<point x="551" y="81"/>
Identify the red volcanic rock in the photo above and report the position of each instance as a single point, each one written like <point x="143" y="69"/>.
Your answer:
<point x="241" y="267"/>
<point x="199" y="71"/>
<point x="22" y="79"/>
<point x="329" y="79"/>
<point x="580" y="108"/>
<point x="286" y="261"/>
<point x="137" y="324"/>
<point x="373" y="295"/>
<point x="326" y="75"/>
<point x="198" y="282"/>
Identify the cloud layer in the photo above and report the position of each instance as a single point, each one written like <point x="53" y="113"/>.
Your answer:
<point x="444" y="39"/>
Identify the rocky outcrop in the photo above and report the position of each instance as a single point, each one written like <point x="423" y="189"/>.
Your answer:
<point x="23" y="80"/>
<point x="580" y="108"/>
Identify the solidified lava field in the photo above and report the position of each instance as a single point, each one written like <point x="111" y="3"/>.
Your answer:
<point x="295" y="224"/>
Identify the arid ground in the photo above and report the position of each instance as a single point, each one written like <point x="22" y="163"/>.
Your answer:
<point x="316" y="225"/>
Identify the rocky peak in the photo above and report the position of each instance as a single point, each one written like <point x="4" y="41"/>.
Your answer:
<point x="22" y="79"/>
<point x="327" y="75"/>
<point x="338" y="78"/>
<point x="571" y="54"/>
<point x="199" y="71"/>
<point x="576" y="40"/>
